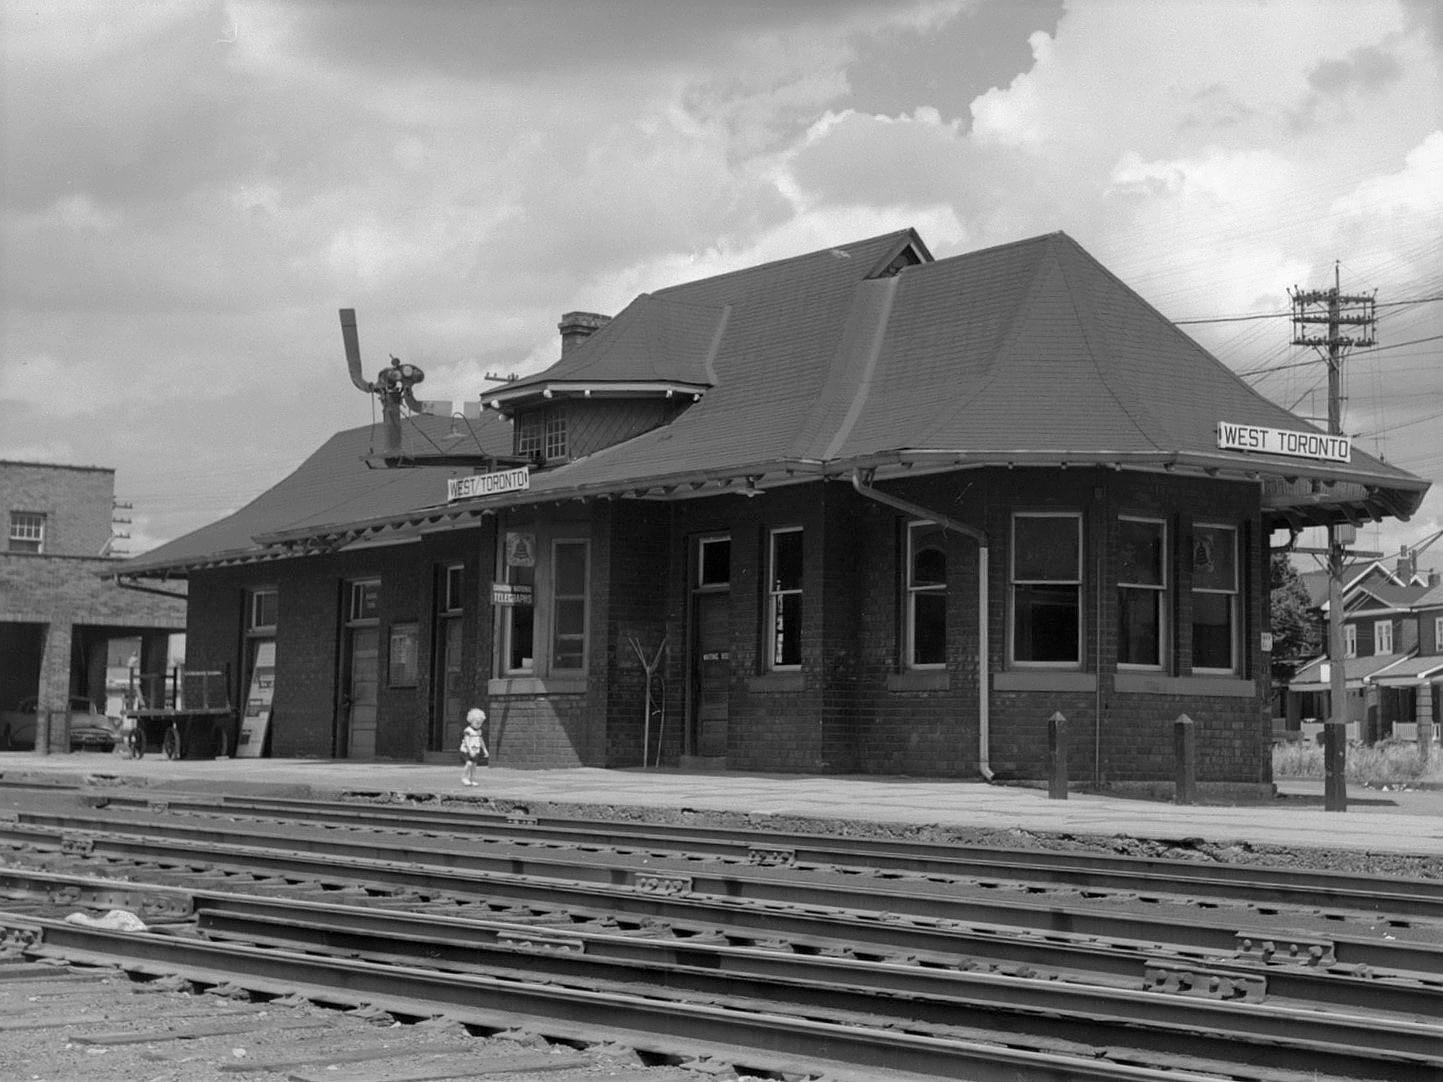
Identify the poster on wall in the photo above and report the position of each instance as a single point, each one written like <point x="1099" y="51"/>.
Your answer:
<point x="258" y="703"/>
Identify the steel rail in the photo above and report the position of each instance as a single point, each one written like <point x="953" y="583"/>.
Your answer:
<point x="653" y="1021"/>
<point x="1060" y="957"/>
<point x="1260" y="1034"/>
<point x="735" y="900"/>
<point x="1311" y="887"/>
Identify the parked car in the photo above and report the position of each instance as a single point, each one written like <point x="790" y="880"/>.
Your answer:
<point x="90" y="730"/>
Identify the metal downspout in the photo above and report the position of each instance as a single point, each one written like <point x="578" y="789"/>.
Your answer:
<point x="984" y="740"/>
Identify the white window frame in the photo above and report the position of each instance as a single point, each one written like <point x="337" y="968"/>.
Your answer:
<point x="553" y="632"/>
<point x="357" y="591"/>
<point x="505" y="615"/>
<point x="1014" y="582"/>
<point x="1382" y="637"/>
<point x="915" y="589"/>
<point x="702" y="544"/>
<point x="28" y="529"/>
<point x="554" y="439"/>
<point x="1231" y="593"/>
<point x="1350" y="640"/>
<point x="1160" y="591"/>
<point x="1438" y="634"/>
<point x="453" y="585"/>
<point x="776" y="599"/>
<point x="255" y="604"/>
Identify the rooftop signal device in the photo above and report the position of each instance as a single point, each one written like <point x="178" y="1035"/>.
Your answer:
<point x="392" y="386"/>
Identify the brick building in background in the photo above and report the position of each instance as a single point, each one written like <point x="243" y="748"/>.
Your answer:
<point x="854" y="511"/>
<point x="60" y="616"/>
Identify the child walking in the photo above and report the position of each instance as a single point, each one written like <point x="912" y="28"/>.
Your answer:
<point x="473" y="744"/>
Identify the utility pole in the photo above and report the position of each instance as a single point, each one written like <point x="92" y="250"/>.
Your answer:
<point x="1335" y="310"/>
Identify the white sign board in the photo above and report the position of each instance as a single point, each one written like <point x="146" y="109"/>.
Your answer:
<point x="258" y="703"/>
<point x="487" y="484"/>
<point x="1283" y="441"/>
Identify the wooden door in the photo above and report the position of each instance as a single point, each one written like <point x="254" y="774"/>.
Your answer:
<point x="364" y="681"/>
<point x="711" y="672"/>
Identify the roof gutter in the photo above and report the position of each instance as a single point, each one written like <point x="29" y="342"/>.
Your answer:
<point x="984" y="739"/>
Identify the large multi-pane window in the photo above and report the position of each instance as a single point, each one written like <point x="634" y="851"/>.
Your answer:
<point x="542" y="434"/>
<point x="568" y="605"/>
<point x="1214" y="599"/>
<point x="27" y="531"/>
<point x="1141" y="592"/>
<point x="556" y="445"/>
<point x="1046" y="588"/>
<point x="784" y="599"/>
<point x="516" y="602"/>
<point x="926" y="617"/>
<point x="541" y="598"/>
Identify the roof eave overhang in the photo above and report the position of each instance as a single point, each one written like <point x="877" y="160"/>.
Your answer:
<point x="1316" y="493"/>
<point x="509" y="399"/>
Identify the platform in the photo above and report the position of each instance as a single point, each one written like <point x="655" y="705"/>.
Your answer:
<point x="1397" y="822"/>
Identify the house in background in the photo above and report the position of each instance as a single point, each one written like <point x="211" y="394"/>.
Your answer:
<point x="858" y="510"/>
<point x="58" y="611"/>
<point x="1392" y="653"/>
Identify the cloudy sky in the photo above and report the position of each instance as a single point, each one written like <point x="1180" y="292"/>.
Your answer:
<point x="192" y="189"/>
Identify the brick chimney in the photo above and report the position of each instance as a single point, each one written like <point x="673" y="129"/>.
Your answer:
<point x="577" y="327"/>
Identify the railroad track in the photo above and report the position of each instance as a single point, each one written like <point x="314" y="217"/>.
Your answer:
<point x="727" y="949"/>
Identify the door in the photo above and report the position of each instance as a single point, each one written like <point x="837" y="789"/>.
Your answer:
<point x="711" y="672"/>
<point x="450" y="707"/>
<point x="364" y="680"/>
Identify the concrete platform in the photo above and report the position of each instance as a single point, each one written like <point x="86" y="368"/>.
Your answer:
<point x="1408" y="822"/>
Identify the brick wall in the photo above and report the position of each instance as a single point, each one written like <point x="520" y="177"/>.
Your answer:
<point x="76" y="501"/>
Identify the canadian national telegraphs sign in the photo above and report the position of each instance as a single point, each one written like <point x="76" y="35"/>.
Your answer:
<point x="487" y="484"/>
<point x="1283" y="441"/>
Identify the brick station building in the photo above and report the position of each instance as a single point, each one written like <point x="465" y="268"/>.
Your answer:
<point x="854" y="511"/>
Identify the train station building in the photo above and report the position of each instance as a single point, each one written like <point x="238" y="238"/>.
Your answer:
<point x="856" y="511"/>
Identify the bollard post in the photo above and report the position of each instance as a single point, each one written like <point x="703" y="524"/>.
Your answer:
<point x="1184" y="751"/>
<point x="1057" y="757"/>
<point x="1335" y="766"/>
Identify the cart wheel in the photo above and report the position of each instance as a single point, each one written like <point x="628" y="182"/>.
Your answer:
<point x="135" y="744"/>
<point x="171" y="744"/>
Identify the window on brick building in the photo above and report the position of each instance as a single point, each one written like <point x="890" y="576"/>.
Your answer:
<point x="1383" y="637"/>
<point x="926" y="617"/>
<point x="784" y="599"/>
<point x="1046" y="588"/>
<point x="1141" y="593"/>
<point x="1214" y="599"/>
<point x="262" y="611"/>
<point x="27" y="531"/>
<point x="542" y="604"/>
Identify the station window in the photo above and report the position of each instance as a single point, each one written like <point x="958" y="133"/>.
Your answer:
<point x="365" y="601"/>
<point x="784" y="598"/>
<point x="541" y="434"/>
<point x="925" y="621"/>
<point x="1141" y="593"/>
<point x="451" y="598"/>
<point x="1215" y="599"/>
<point x="714" y="562"/>
<point x="1046" y="588"/>
<point x="1383" y="637"/>
<point x="263" y="611"/>
<point x="568" y="605"/>
<point x="555" y="434"/>
<point x="27" y="531"/>
<point x="542" y="605"/>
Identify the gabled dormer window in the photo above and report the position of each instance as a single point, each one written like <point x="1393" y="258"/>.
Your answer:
<point x="541" y="434"/>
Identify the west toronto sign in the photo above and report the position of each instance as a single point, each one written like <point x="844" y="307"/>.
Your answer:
<point x="1283" y="441"/>
<point x="487" y="484"/>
